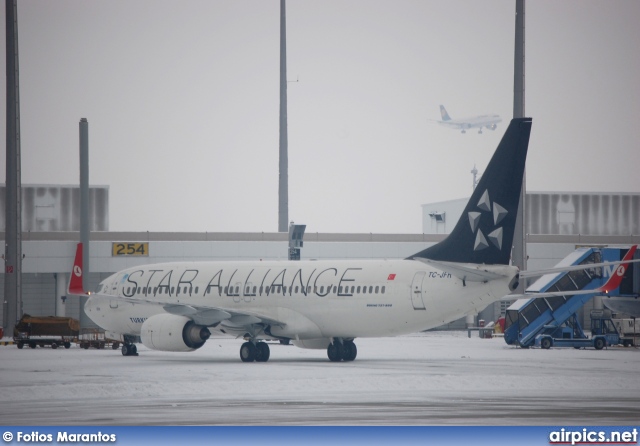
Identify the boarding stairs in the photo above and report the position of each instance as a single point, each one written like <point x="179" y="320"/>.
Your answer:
<point x="527" y="318"/>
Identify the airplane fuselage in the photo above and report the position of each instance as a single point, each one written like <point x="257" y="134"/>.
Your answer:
<point x="304" y="300"/>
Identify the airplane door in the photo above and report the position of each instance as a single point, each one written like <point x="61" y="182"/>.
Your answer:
<point x="118" y="292"/>
<point x="416" y="291"/>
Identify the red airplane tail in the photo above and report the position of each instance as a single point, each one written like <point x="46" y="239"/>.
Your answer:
<point x="75" y="283"/>
<point x="617" y="275"/>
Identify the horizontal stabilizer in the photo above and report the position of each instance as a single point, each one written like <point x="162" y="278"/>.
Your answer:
<point x="470" y="272"/>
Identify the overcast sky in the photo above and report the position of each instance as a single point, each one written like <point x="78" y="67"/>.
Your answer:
<point x="182" y="100"/>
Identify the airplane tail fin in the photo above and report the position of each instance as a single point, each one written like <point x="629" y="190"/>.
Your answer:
<point x="484" y="233"/>
<point x="444" y="114"/>
<point x="617" y="275"/>
<point x="75" y="282"/>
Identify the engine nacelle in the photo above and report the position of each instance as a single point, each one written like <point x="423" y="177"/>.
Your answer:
<point x="173" y="333"/>
<point x="492" y="126"/>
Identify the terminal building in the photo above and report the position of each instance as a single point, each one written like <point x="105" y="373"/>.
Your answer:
<point x="557" y="224"/>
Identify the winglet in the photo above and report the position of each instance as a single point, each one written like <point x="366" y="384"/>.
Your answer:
<point x="617" y="275"/>
<point x="75" y="282"/>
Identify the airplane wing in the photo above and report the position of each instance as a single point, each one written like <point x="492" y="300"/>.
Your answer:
<point x="204" y="315"/>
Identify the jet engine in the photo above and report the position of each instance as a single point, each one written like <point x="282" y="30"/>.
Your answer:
<point x="173" y="333"/>
<point x="492" y="126"/>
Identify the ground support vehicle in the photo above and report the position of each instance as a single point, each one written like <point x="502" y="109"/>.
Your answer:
<point x="629" y="330"/>
<point x="52" y="331"/>
<point x="96" y="338"/>
<point x="603" y="333"/>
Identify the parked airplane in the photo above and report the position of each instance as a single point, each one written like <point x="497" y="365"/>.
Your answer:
<point x="324" y="304"/>
<point x="464" y="124"/>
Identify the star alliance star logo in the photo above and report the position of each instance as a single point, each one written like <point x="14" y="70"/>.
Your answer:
<point x="495" y="237"/>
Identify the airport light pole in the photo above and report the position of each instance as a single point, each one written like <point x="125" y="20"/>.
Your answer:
<point x="12" y="305"/>
<point x="519" y="257"/>
<point x="283" y="183"/>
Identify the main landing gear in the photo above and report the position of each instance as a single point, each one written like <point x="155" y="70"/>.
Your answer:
<point x="129" y="349"/>
<point x="254" y="351"/>
<point x="340" y="350"/>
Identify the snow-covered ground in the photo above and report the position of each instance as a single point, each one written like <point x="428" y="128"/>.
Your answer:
<point x="435" y="378"/>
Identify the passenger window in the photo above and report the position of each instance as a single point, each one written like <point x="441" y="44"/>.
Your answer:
<point x="196" y="290"/>
<point x="377" y="289"/>
<point x="364" y="290"/>
<point x="172" y="290"/>
<point x="322" y="289"/>
<point x="370" y="289"/>
<point x="383" y="288"/>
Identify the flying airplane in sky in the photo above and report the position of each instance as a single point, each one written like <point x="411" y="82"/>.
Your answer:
<point x="464" y="124"/>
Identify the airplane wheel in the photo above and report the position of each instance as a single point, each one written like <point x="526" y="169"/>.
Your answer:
<point x="248" y="352"/>
<point x="335" y="351"/>
<point x="129" y="350"/>
<point x="350" y="351"/>
<point x="263" y="352"/>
